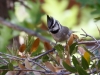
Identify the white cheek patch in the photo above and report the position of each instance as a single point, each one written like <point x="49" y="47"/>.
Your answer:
<point x="55" y="28"/>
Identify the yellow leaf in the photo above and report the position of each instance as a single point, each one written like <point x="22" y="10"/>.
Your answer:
<point x="47" y="46"/>
<point x="35" y="45"/>
<point x="87" y="56"/>
<point x="22" y="48"/>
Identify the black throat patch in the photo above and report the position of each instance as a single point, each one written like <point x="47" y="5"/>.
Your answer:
<point x="54" y="32"/>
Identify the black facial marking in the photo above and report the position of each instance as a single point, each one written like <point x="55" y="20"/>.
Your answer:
<point x="54" y="32"/>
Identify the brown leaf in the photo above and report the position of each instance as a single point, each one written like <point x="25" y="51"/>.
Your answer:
<point x="75" y="36"/>
<point x="50" y="66"/>
<point x="35" y="45"/>
<point x="67" y="60"/>
<point x="58" y="58"/>
<point x="22" y="48"/>
<point x="47" y="46"/>
<point x="71" y="39"/>
<point x="21" y="66"/>
<point x="43" y="26"/>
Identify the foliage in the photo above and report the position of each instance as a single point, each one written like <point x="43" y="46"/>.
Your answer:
<point x="37" y="57"/>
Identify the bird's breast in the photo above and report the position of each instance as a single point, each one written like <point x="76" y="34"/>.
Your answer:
<point x="59" y="37"/>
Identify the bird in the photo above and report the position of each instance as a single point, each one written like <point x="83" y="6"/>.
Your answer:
<point x="59" y="32"/>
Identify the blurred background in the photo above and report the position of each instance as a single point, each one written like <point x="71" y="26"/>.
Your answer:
<point x="32" y="14"/>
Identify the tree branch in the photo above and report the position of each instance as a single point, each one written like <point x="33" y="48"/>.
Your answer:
<point x="19" y="28"/>
<point x="33" y="33"/>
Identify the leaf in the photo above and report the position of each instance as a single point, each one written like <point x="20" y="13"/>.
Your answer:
<point x="85" y="64"/>
<point x="68" y="60"/>
<point x="88" y="51"/>
<point x="87" y="57"/>
<point x="50" y="66"/>
<point x="27" y="64"/>
<point x="47" y="46"/>
<point x="81" y="50"/>
<point x="35" y="45"/>
<point x="22" y="48"/>
<point x="75" y="62"/>
<point x="4" y="67"/>
<point x="58" y="59"/>
<point x="10" y="73"/>
<point x="71" y="39"/>
<point x="10" y="66"/>
<point x="45" y="58"/>
<point x="60" y="50"/>
<point x="21" y="66"/>
<point x="69" y="68"/>
<point x="81" y="71"/>
<point x="72" y="48"/>
<point x="98" y="27"/>
<point x="98" y="65"/>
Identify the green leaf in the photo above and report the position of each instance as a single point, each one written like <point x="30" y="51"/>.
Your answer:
<point x="72" y="48"/>
<point x="85" y="64"/>
<point x="10" y="66"/>
<point x="60" y="50"/>
<point x="75" y="62"/>
<point x="98" y="65"/>
<point x="81" y="71"/>
<point x="93" y="65"/>
<point x="4" y="67"/>
<point x="45" y="58"/>
<point x="4" y="72"/>
<point x="69" y="68"/>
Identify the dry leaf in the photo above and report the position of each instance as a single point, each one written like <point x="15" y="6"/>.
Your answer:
<point x="47" y="46"/>
<point x="71" y="39"/>
<point x="67" y="60"/>
<point x="75" y="36"/>
<point x="10" y="73"/>
<point x="27" y="64"/>
<point x="22" y="48"/>
<point x="58" y="58"/>
<point x="35" y="45"/>
<point x="50" y="66"/>
<point x="81" y="50"/>
<point x="21" y="66"/>
<point x="43" y="26"/>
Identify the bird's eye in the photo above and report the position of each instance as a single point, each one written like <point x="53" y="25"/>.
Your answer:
<point x="53" y="26"/>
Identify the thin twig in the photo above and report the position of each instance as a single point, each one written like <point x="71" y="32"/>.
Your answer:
<point x="97" y="42"/>
<point x="39" y="56"/>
